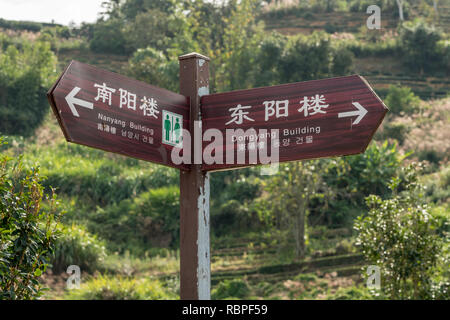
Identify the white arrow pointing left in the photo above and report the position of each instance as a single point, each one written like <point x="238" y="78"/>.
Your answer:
<point x="72" y="101"/>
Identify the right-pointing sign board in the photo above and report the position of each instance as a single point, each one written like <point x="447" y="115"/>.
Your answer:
<point x="304" y="120"/>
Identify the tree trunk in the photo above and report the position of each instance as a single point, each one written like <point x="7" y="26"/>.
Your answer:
<point x="435" y="6"/>
<point x="300" y="234"/>
<point x="416" y="287"/>
<point x="400" y="9"/>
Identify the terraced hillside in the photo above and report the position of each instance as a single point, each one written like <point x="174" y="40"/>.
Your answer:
<point x="292" y="20"/>
<point x="294" y="23"/>
<point x="383" y="72"/>
<point x="259" y="262"/>
<point x="380" y="72"/>
<point x="112" y="62"/>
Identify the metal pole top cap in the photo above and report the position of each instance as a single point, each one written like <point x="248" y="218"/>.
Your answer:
<point x="193" y="55"/>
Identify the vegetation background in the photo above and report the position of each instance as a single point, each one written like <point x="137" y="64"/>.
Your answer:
<point x="308" y="232"/>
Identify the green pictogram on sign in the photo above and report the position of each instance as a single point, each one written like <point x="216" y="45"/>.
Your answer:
<point x="172" y="128"/>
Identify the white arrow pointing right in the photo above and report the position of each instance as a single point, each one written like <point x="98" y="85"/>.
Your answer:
<point x="361" y="112"/>
<point x="71" y="101"/>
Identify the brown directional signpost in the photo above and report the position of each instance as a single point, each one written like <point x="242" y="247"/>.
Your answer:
<point x="107" y="111"/>
<point x="312" y="119"/>
<point x="304" y="120"/>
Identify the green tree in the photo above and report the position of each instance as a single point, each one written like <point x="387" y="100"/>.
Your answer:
<point x="268" y="59"/>
<point x="27" y="233"/>
<point x="398" y="235"/>
<point x="342" y="61"/>
<point x="306" y="58"/>
<point x="25" y="76"/>
<point x="419" y="43"/>
<point x="290" y="194"/>
<point x="132" y="8"/>
<point x="236" y="58"/>
<point x="152" y="66"/>
<point x="108" y="35"/>
<point x="158" y="30"/>
<point x="313" y="57"/>
<point x="350" y="179"/>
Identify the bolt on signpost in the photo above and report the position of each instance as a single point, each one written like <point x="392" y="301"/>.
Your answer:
<point x="297" y="121"/>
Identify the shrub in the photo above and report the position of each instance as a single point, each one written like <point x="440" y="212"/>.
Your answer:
<point x="119" y="288"/>
<point x="330" y="28"/>
<point x="397" y="131"/>
<point x="150" y="220"/>
<point x="430" y="155"/>
<point x="442" y="216"/>
<point x="27" y="233"/>
<point x="228" y="289"/>
<point x="401" y="99"/>
<point x="49" y="35"/>
<point x="398" y="235"/>
<point x="160" y="209"/>
<point x="76" y="246"/>
<point x="351" y="293"/>
<point x="438" y="188"/>
<point x="342" y="61"/>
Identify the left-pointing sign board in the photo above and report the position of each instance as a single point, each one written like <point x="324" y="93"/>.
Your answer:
<point x="107" y="111"/>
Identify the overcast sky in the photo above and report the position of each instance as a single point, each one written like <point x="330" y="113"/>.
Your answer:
<point x="60" y="11"/>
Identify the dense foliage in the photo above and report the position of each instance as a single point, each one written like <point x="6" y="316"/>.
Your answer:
<point x="149" y="220"/>
<point x="26" y="73"/>
<point x="27" y="233"/>
<point x="399" y="236"/>
<point x="401" y="100"/>
<point x="75" y="246"/>
<point x="421" y="47"/>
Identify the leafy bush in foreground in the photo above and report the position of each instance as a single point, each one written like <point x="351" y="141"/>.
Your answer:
<point x="399" y="236"/>
<point x="27" y="233"/>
